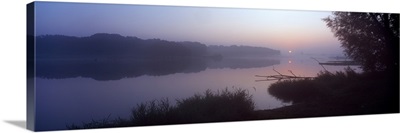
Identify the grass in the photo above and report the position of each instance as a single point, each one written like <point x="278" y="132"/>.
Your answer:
<point x="219" y="106"/>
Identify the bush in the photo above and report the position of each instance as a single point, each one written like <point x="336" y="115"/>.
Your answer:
<point x="151" y="113"/>
<point x="208" y="107"/>
<point x="295" y="91"/>
<point x="218" y="106"/>
<point x="211" y="106"/>
<point x="325" y="85"/>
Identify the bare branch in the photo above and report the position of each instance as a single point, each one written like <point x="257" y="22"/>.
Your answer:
<point x="321" y="65"/>
<point x="280" y="77"/>
<point x="273" y="68"/>
<point x="292" y="73"/>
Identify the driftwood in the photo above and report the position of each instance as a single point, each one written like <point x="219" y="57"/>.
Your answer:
<point x="280" y="76"/>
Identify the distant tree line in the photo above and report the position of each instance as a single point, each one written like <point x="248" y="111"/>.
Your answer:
<point x="102" y="56"/>
<point x="104" y="45"/>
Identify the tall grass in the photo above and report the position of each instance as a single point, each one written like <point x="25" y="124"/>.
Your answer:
<point x="210" y="106"/>
<point x="218" y="106"/>
<point x="152" y="113"/>
<point x="102" y="123"/>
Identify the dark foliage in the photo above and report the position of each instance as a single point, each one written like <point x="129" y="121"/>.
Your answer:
<point x="295" y="91"/>
<point x="211" y="106"/>
<point x="369" y="38"/>
<point x="112" y="46"/>
<point x="369" y="92"/>
<point x="208" y="107"/>
<point x="325" y="85"/>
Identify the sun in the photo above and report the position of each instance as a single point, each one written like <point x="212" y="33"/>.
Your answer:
<point x="290" y="51"/>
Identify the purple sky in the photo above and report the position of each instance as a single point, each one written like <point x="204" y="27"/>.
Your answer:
<point x="298" y="31"/>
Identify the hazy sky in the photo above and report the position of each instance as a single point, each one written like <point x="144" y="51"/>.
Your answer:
<point x="299" y="31"/>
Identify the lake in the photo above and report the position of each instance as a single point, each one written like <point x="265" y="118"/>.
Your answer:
<point x="76" y="91"/>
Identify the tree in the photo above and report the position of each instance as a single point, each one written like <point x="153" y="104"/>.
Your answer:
<point x="369" y="38"/>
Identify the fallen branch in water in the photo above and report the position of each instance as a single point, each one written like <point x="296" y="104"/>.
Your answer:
<point x="281" y="76"/>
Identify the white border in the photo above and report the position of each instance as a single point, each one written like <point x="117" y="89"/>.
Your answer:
<point x="13" y="71"/>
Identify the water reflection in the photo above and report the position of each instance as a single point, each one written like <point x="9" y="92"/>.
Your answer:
<point x="116" y="69"/>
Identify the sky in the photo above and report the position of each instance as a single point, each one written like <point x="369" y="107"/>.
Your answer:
<point x="285" y="30"/>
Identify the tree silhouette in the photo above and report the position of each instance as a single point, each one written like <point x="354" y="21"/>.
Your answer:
<point x="369" y="38"/>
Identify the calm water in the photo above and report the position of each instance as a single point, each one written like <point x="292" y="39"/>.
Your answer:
<point x="79" y="91"/>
